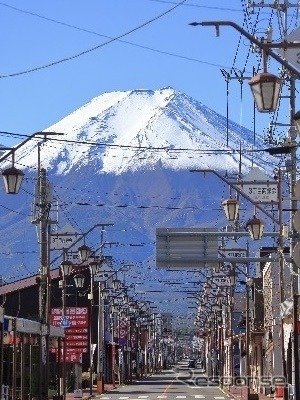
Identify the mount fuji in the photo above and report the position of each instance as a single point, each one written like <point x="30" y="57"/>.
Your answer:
<point x="124" y="161"/>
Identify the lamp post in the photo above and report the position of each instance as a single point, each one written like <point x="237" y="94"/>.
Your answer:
<point x="79" y="280"/>
<point x="94" y="267"/>
<point x="84" y="253"/>
<point x="66" y="269"/>
<point x="13" y="178"/>
<point x="255" y="227"/>
<point x="262" y="96"/>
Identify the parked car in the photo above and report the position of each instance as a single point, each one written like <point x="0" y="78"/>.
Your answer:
<point x="192" y="363"/>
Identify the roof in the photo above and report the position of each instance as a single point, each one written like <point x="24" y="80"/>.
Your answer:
<point x="25" y="283"/>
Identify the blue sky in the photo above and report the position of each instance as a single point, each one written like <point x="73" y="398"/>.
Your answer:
<point x="158" y="48"/>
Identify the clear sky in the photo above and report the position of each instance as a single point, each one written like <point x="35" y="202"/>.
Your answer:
<point x="57" y="55"/>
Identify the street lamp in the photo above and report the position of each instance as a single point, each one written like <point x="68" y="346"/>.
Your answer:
<point x="265" y="88"/>
<point x="231" y="209"/>
<point x="84" y="252"/>
<point x="12" y="178"/>
<point x="116" y="284"/>
<point x="66" y="267"/>
<point x="255" y="227"/>
<point x="79" y="280"/>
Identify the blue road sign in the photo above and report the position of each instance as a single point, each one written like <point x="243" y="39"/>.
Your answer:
<point x="65" y="323"/>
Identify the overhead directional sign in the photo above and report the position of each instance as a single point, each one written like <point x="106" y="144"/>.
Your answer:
<point x="186" y="247"/>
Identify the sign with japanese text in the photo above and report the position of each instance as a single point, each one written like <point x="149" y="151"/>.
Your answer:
<point x="232" y="253"/>
<point x="259" y="187"/>
<point x="260" y="192"/>
<point x="63" y="239"/>
<point x="76" y="331"/>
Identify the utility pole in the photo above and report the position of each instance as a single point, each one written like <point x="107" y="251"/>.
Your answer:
<point x="41" y="217"/>
<point x="44" y="280"/>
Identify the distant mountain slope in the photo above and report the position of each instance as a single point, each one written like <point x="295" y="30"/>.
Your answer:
<point x="140" y="129"/>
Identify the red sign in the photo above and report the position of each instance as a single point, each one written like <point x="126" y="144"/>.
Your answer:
<point x="77" y="316"/>
<point x="74" y="350"/>
<point x="76" y="335"/>
<point x="72" y="343"/>
<point x="78" y="331"/>
<point x="74" y="358"/>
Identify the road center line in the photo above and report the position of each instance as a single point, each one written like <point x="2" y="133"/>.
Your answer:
<point x="167" y="388"/>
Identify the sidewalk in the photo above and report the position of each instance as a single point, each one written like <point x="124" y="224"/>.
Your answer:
<point x="86" y="392"/>
<point x="240" y="393"/>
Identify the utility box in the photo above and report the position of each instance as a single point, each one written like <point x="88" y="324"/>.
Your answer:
<point x="78" y="394"/>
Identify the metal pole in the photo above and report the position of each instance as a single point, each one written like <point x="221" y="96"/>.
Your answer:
<point x="44" y="208"/>
<point x="263" y="46"/>
<point x="294" y="239"/>
<point x="1" y="355"/>
<point x="91" y="297"/>
<point x="248" y="337"/>
<point x="100" y="340"/>
<point x="281" y="280"/>
<point x="14" y="375"/>
<point x="64" y="352"/>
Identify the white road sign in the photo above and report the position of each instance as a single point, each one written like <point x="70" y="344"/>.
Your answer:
<point x="64" y="238"/>
<point x="292" y="55"/>
<point x="258" y="186"/>
<point x="232" y="253"/>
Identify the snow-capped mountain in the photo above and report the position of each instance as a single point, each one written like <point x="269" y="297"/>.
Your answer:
<point x="135" y="130"/>
<point x="124" y="161"/>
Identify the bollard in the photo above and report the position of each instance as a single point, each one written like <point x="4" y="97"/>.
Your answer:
<point x="99" y="386"/>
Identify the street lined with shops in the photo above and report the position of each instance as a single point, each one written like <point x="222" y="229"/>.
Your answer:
<point x="168" y="385"/>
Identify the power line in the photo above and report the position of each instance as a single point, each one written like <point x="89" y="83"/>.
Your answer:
<point x="124" y="41"/>
<point x="198" y="6"/>
<point x="95" y="47"/>
<point x="163" y="148"/>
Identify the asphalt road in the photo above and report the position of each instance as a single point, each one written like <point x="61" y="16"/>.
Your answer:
<point x="178" y="383"/>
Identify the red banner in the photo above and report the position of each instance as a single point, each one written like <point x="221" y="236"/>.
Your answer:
<point x="75" y="320"/>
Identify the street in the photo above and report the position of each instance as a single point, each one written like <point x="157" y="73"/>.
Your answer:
<point x="177" y="383"/>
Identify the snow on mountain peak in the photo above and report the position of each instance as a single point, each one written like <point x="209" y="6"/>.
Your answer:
<point x="138" y="129"/>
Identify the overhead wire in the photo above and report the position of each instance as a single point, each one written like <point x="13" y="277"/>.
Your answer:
<point x="74" y="56"/>
<point x="118" y="39"/>
<point x="139" y="147"/>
